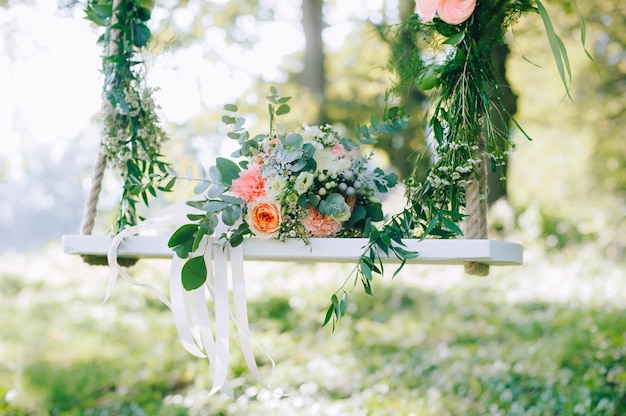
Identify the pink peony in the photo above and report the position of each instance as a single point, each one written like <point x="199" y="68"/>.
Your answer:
<point x="319" y="225"/>
<point x="455" y="12"/>
<point x="250" y="185"/>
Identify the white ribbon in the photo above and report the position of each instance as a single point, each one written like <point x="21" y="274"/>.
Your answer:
<point x="189" y="308"/>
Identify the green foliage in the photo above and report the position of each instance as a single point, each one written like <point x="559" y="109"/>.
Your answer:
<point x="441" y="342"/>
<point x="132" y="136"/>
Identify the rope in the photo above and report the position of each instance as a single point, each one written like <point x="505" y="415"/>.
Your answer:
<point x="476" y="207"/>
<point x="91" y="207"/>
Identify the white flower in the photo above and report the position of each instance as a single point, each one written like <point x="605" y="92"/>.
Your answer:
<point x="345" y="213"/>
<point x="328" y="161"/>
<point x="309" y="133"/>
<point x="275" y="186"/>
<point x="303" y="182"/>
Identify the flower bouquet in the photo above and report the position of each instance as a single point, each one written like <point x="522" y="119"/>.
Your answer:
<point x="291" y="183"/>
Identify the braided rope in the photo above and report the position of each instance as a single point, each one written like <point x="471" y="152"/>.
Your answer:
<point x="91" y="207"/>
<point x="476" y="221"/>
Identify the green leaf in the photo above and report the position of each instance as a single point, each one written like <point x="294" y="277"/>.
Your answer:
<point x="455" y="39"/>
<point x="228" y="120"/>
<point x="198" y="238"/>
<point x="437" y="129"/>
<point x="141" y="35"/>
<point x="231" y="107"/>
<point x="451" y="225"/>
<point x="558" y="49"/>
<point x="215" y="190"/>
<point x="329" y="315"/>
<point x="231" y="214"/>
<point x="169" y="185"/>
<point x="201" y="187"/>
<point x="343" y="305"/>
<point x="228" y="169"/>
<point x="194" y="273"/>
<point x="397" y="271"/>
<point x="214" y="206"/>
<point x="293" y="141"/>
<point x="428" y="79"/>
<point x="374" y="121"/>
<point x="232" y="200"/>
<point x="181" y="241"/>
<point x="365" y="269"/>
<point x="283" y="109"/>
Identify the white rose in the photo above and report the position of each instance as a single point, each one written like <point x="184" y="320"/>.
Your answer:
<point x="309" y="133"/>
<point x="345" y="214"/>
<point x="274" y="187"/>
<point x="325" y="160"/>
<point x="303" y="182"/>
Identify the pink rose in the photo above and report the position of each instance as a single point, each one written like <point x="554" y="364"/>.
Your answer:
<point x="338" y="150"/>
<point x="264" y="218"/>
<point x="452" y="12"/>
<point x="319" y="225"/>
<point x="426" y="9"/>
<point x="250" y="185"/>
<point x="455" y="12"/>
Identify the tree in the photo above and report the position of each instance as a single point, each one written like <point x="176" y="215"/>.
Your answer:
<point x="313" y="76"/>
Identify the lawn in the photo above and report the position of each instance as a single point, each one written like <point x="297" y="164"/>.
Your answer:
<point x="545" y="338"/>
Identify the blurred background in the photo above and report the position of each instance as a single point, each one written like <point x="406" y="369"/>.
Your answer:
<point x="543" y="338"/>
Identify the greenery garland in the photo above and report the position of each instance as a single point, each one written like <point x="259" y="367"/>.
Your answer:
<point x="132" y="136"/>
<point x="446" y="47"/>
<point x="453" y="59"/>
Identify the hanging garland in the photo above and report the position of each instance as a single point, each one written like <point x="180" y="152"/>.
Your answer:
<point x="132" y="136"/>
<point x="446" y="47"/>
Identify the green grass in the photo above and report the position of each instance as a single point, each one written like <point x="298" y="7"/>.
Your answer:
<point x="546" y="338"/>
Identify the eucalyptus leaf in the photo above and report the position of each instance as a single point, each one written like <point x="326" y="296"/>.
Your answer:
<point x="201" y="187"/>
<point x="215" y="190"/>
<point x="228" y="169"/>
<point x="214" y="206"/>
<point x="194" y="273"/>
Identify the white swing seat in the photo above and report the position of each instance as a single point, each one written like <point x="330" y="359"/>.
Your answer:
<point x="338" y="250"/>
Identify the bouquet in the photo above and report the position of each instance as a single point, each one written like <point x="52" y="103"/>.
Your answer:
<point x="292" y="183"/>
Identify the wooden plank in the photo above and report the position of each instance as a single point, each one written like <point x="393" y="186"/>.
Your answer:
<point x="319" y="250"/>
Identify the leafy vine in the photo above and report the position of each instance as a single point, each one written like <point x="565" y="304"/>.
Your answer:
<point x="132" y="136"/>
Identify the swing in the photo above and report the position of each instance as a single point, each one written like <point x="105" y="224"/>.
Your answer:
<point x="461" y="115"/>
<point x="475" y="251"/>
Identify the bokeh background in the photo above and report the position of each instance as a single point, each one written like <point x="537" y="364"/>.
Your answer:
<point x="545" y="338"/>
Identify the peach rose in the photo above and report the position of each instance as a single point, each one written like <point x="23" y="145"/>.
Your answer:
<point x="319" y="225"/>
<point x="264" y="218"/>
<point x="250" y="185"/>
<point x="455" y="12"/>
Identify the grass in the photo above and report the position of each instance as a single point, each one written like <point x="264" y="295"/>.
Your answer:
<point x="546" y="338"/>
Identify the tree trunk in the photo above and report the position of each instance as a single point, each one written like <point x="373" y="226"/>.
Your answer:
<point x="501" y="119"/>
<point x="313" y="76"/>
